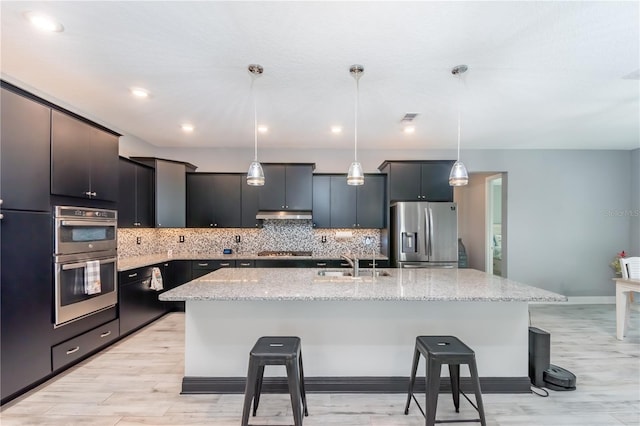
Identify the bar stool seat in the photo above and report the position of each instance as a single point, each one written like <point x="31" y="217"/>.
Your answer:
<point x="276" y="350"/>
<point x="438" y="350"/>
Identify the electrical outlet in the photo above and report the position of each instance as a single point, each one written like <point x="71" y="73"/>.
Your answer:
<point x="138" y="240"/>
<point x="237" y="238"/>
<point x="323" y="239"/>
<point x="181" y="239"/>
<point x="368" y="240"/>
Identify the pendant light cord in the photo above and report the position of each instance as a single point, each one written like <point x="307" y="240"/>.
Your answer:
<point x="255" y="121"/>
<point x="355" y="145"/>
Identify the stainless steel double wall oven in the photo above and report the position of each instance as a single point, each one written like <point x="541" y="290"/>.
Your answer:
<point x="84" y="238"/>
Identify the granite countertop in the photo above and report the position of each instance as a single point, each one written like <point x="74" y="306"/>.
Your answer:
<point x="127" y="263"/>
<point x="261" y="284"/>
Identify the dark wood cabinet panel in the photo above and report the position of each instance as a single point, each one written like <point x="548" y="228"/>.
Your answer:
<point x="250" y="199"/>
<point x="343" y="203"/>
<point x="321" y="211"/>
<point x="272" y="194"/>
<point x="145" y="210"/>
<point x="80" y="346"/>
<point x="371" y="206"/>
<point x="84" y="159"/>
<point x="404" y="182"/>
<point x="287" y="187"/>
<point x="200" y="268"/>
<point x="138" y="304"/>
<point x="435" y="181"/>
<point x="135" y="195"/>
<point x="214" y="200"/>
<point x="25" y="148"/>
<point x="418" y="180"/>
<point x="26" y="299"/>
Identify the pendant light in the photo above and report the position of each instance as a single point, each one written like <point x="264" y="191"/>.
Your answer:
<point x="459" y="175"/>
<point x="355" y="175"/>
<point x="255" y="175"/>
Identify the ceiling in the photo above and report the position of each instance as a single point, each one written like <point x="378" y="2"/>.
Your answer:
<point x="558" y="75"/>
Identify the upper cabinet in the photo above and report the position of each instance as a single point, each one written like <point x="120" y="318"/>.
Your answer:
<point x="286" y="187"/>
<point x="24" y="143"/>
<point x="135" y="197"/>
<point x="170" y="190"/>
<point x="418" y="180"/>
<point x="338" y="205"/>
<point x="84" y="159"/>
<point x="214" y="200"/>
<point x="250" y="198"/>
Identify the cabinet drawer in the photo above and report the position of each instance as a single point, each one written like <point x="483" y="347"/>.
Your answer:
<point x="212" y="264"/>
<point x="368" y="263"/>
<point x="133" y="275"/>
<point x="73" y="349"/>
<point x="245" y="263"/>
<point x="325" y="263"/>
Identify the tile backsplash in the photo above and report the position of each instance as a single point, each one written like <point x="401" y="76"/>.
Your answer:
<point x="275" y="235"/>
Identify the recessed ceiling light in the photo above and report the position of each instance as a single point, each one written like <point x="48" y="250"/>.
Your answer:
<point x="188" y="128"/>
<point x="139" y="92"/>
<point x="409" y="129"/>
<point x="44" y="22"/>
<point x="263" y="129"/>
<point x="336" y="129"/>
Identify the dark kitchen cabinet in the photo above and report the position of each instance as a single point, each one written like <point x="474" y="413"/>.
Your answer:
<point x="418" y="180"/>
<point x="26" y="299"/>
<point x="25" y="147"/>
<point x="361" y="206"/>
<point x="200" y="268"/>
<point x="170" y="190"/>
<point x="176" y="273"/>
<point x="250" y="199"/>
<point x="84" y="159"/>
<point x="321" y="212"/>
<point x="137" y="302"/>
<point x="214" y="200"/>
<point x="135" y="195"/>
<point x="287" y="187"/>
<point x="79" y="347"/>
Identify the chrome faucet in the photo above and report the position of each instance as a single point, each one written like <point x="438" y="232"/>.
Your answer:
<point x="353" y="262"/>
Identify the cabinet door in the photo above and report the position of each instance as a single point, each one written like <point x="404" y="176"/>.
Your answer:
<point x="343" y="203"/>
<point x="272" y="194"/>
<point x="435" y="181"/>
<point x="70" y="156"/>
<point x="103" y="157"/>
<point x="200" y="200"/>
<point x="371" y="204"/>
<point x="144" y="196"/>
<point x="227" y="200"/>
<point x="250" y="199"/>
<point x="321" y="201"/>
<point x="298" y="187"/>
<point x="25" y="146"/>
<point x="26" y="303"/>
<point x="170" y="194"/>
<point x="404" y="182"/>
<point x="126" y="194"/>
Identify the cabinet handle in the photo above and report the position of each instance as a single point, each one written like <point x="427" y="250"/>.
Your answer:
<point x="70" y="351"/>
<point x="224" y="264"/>
<point x="105" y="334"/>
<point x="203" y="264"/>
<point x="166" y="264"/>
<point x="321" y="264"/>
<point x="245" y="264"/>
<point x="372" y="264"/>
<point x="211" y="225"/>
<point x="344" y="264"/>
<point x="133" y="275"/>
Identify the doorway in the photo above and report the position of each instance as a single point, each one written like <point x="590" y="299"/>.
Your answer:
<point x="495" y="261"/>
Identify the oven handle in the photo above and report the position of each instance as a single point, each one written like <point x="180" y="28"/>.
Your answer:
<point x="68" y="266"/>
<point x="87" y="223"/>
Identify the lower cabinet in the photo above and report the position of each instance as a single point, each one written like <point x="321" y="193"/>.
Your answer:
<point x="200" y="268"/>
<point x="137" y="301"/>
<point x="174" y="274"/>
<point x="74" y="349"/>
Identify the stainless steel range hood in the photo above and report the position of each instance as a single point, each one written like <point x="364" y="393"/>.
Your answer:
<point x="284" y="215"/>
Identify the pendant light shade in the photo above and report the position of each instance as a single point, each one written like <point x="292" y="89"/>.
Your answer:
<point x="255" y="175"/>
<point x="355" y="175"/>
<point x="459" y="175"/>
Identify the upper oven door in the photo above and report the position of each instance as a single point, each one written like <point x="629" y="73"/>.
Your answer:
<point x="85" y="235"/>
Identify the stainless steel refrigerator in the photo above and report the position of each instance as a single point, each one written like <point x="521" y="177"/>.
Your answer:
<point x="424" y="235"/>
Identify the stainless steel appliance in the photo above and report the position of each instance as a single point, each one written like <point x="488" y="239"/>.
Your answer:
<point x="84" y="238"/>
<point x="424" y="235"/>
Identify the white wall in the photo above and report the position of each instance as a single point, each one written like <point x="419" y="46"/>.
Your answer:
<point x="564" y="221"/>
<point x="634" y="249"/>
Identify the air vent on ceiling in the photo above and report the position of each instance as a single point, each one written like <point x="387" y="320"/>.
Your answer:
<point x="409" y="117"/>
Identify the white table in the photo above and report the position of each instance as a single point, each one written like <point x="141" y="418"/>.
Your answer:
<point x="623" y="287"/>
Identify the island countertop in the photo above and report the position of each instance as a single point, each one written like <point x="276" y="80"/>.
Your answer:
<point x="304" y="284"/>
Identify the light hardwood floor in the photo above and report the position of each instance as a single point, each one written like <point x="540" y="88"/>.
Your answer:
<point x="137" y="382"/>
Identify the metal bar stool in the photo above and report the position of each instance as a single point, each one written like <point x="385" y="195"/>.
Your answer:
<point x="272" y="350"/>
<point x="438" y="350"/>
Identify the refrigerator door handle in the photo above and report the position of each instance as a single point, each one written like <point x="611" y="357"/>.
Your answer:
<point x="430" y="235"/>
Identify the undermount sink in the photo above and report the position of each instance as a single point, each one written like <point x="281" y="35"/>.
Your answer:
<point x="370" y="272"/>
<point x="330" y="273"/>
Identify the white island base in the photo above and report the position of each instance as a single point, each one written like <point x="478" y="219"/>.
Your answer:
<point x="353" y="346"/>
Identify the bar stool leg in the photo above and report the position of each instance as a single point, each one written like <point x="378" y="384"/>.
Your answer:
<point x="476" y="388"/>
<point x="454" y="375"/>
<point x="302" y="390"/>
<point x="249" y="392"/>
<point x="412" y="379"/>
<point x="293" y="374"/>
<point x="433" y="388"/>
<point x="258" y="391"/>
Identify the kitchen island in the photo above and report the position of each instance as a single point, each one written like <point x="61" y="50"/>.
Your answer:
<point x="357" y="332"/>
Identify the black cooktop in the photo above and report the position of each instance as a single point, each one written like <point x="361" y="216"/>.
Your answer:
<point x="284" y="253"/>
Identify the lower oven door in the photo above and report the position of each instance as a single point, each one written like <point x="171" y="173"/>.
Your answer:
<point x="74" y="297"/>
